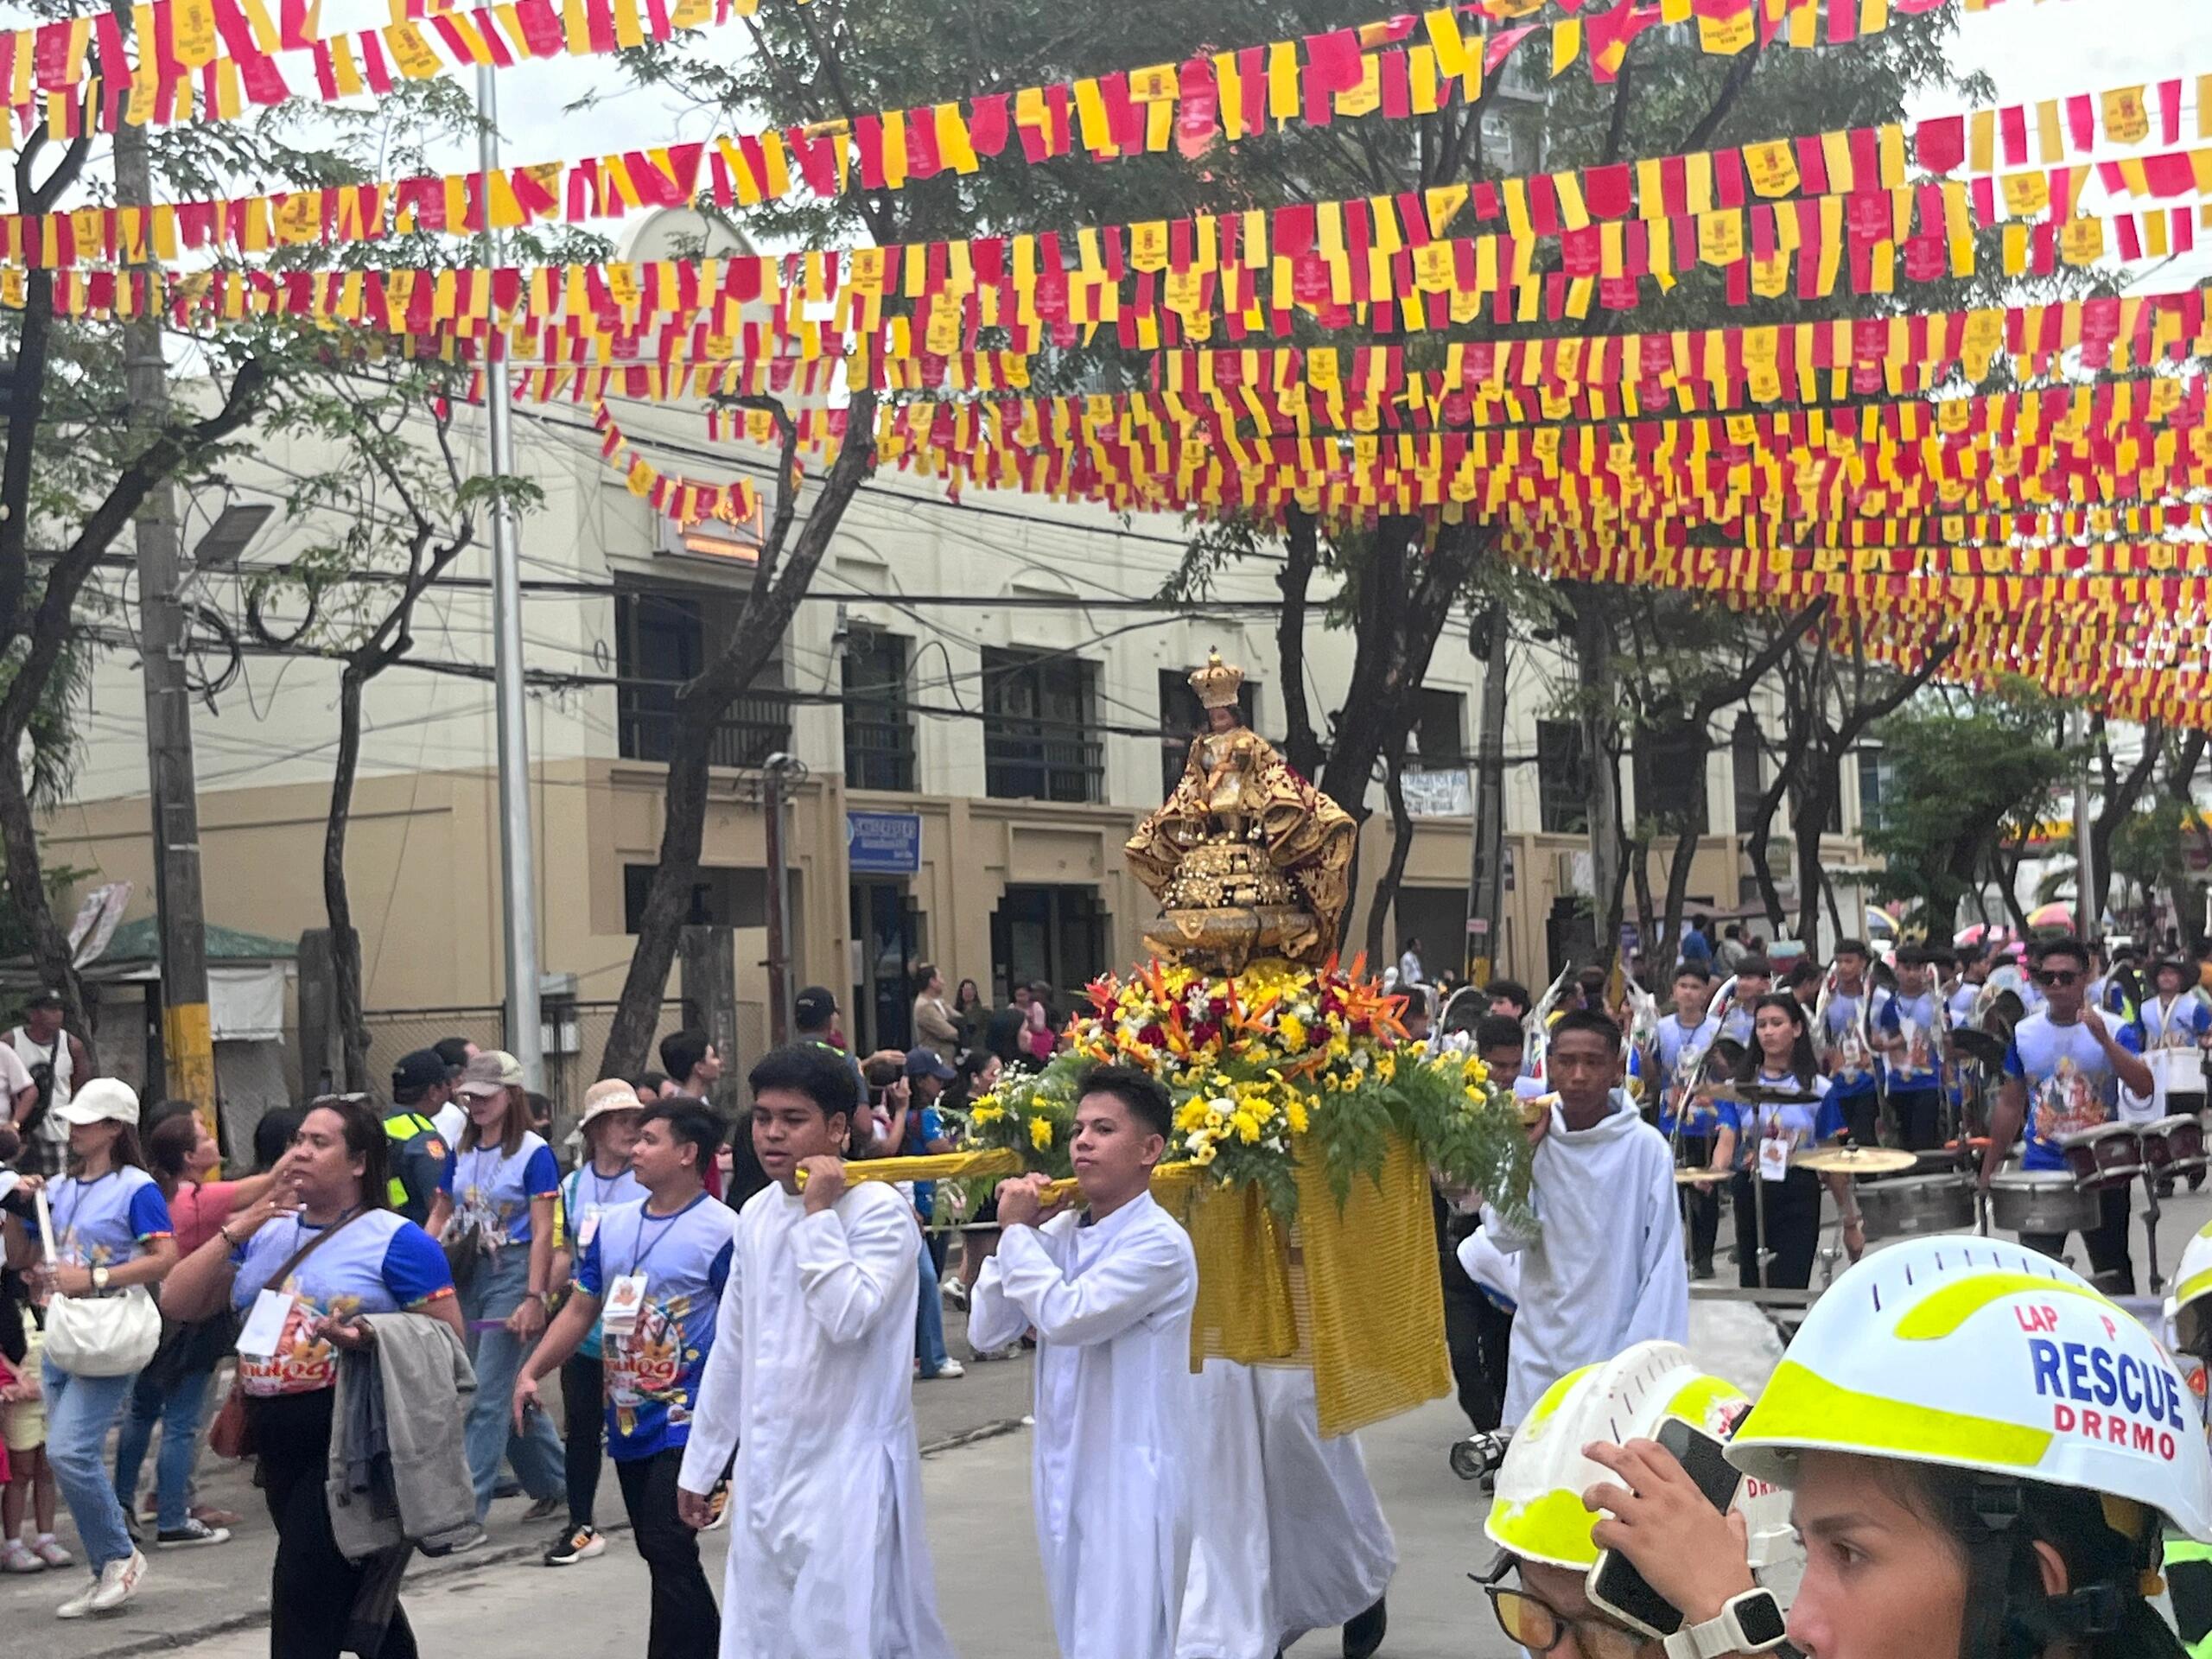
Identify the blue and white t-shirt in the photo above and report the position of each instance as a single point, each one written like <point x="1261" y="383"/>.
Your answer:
<point x="381" y="1263"/>
<point x="1851" y="1058"/>
<point x="2070" y="1084"/>
<point x="1805" y="1125"/>
<point x="1682" y="1052"/>
<point x="108" y="1219"/>
<point x="1736" y="1024"/>
<point x="653" y="1371"/>
<point x="1914" y="1018"/>
<point x="492" y="1189"/>
<point x="585" y="1195"/>
<point x="2173" y="1039"/>
<point x="1962" y="1001"/>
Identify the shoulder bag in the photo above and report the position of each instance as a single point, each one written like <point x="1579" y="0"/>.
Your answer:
<point x="97" y="1336"/>
<point x="230" y="1435"/>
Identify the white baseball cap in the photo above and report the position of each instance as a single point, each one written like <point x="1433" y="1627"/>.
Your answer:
<point x="104" y="1100"/>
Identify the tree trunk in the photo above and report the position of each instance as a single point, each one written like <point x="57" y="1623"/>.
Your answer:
<point x="668" y="897"/>
<point x="1809" y="818"/>
<point x="1595" y="675"/>
<point x="2121" y="792"/>
<point x="1762" y="838"/>
<point x="1301" y="553"/>
<point x="1394" y="869"/>
<point x="27" y="884"/>
<point x="1679" y="865"/>
<point x="337" y="903"/>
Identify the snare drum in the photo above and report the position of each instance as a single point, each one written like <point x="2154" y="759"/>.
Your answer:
<point x="2175" y="1146"/>
<point x="2041" y="1201"/>
<point x="1942" y="1203"/>
<point x="2107" y="1156"/>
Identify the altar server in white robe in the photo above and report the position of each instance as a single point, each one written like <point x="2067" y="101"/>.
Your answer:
<point x="1108" y="1290"/>
<point x="811" y="1382"/>
<point x="1289" y="1535"/>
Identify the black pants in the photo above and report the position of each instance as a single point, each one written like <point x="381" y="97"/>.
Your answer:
<point x="1862" y="1116"/>
<point x="1703" y="1202"/>
<point x="1793" y="1226"/>
<point x="583" y="1418"/>
<point x="1476" y="1332"/>
<point x="2106" y="1243"/>
<point x="311" y="1586"/>
<point x="1919" y="1116"/>
<point x="685" y="1625"/>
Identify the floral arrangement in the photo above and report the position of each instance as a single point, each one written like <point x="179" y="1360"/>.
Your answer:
<point x="1277" y="1063"/>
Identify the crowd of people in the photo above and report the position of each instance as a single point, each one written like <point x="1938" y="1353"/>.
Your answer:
<point x="1967" y="1447"/>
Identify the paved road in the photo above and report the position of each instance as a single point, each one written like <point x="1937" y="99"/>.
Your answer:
<point x="498" y="1604"/>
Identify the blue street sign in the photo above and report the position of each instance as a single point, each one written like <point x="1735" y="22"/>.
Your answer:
<point x="883" y="843"/>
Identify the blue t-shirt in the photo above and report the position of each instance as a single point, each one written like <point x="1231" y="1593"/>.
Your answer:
<point x="1962" y="1001"/>
<point x="108" y="1219"/>
<point x="1736" y="1023"/>
<point x="585" y="1194"/>
<point x="1851" y="1058"/>
<point x="492" y="1189"/>
<point x="2070" y="1085"/>
<point x="1915" y="1020"/>
<point x="380" y="1263"/>
<point x="1805" y="1125"/>
<point x="1682" y="1051"/>
<point x="923" y="1127"/>
<point x="653" y="1371"/>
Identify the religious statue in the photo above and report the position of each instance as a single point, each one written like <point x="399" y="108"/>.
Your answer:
<point x="1246" y="857"/>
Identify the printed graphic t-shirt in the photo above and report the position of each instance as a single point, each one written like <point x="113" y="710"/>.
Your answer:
<point x="653" y="1369"/>
<point x="381" y="1263"/>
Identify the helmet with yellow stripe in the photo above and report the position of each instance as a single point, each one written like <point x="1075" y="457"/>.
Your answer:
<point x="2189" y="1307"/>
<point x="1978" y="1354"/>
<point x="1537" y="1513"/>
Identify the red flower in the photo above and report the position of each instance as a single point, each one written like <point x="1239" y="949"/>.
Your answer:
<point x="1204" y="1033"/>
<point x="1152" y="1036"/>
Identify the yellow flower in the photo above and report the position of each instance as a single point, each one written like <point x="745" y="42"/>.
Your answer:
<point x="1203" y="1154"/>
<point x="1292" y="1030"/>
<point x="985" y="1111"/>
<point x="1040" y="1133"/>
<point x="1247" y="1127"/>
<point x="1296" y="1112"/>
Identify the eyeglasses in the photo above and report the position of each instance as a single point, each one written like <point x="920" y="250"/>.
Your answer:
<point x="1541" y="1627"/>
<point x="2056" y="975"/>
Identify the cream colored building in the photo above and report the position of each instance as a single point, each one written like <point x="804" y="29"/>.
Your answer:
<point x="1037" y="712"/>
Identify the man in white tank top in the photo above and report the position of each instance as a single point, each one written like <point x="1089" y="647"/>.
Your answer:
<point x="41" y="1042"/>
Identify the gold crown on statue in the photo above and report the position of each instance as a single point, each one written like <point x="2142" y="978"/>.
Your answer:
<point x="1219" y="682"/>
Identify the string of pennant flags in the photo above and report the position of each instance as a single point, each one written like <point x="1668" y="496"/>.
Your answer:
<point x="685" y="500"/>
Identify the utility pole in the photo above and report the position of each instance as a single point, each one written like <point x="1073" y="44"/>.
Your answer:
<point x="517" y="852"/>
<point x="778" y="773"/>
<point x="2085" y="851"/>
<point x="188" y="1034"/>
<point x="1486" y="877"/>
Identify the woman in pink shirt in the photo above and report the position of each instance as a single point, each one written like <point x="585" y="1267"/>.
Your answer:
<point x="173" y="1388"/>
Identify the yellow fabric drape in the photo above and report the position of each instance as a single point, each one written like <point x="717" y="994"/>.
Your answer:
<point x="1351" y="1292"/>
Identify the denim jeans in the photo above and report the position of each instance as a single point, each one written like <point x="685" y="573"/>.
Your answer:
<point x="178" y="1413"/>
<point x="929" y="1318"/>
<point x="495" y="1290"/>
<point x="80" y="1411"/>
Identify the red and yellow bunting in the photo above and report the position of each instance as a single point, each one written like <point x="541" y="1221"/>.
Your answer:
<point x="685" y="500"/>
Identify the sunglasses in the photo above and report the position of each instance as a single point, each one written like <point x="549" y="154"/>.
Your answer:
<point x="1541" y="1627"/>
<point x="2056" y="975"/>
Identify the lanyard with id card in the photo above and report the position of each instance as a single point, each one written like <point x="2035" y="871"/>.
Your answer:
<point x="626" y="1292"/>
<point x="264" y="1327"/>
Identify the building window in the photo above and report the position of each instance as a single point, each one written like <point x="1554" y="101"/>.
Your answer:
<point x="1038" y="727"/>
<point x="1562" y="778"/>
<point x="879" y="726"/>
<point x="720" y="897"/>
<point x="1872" y="774"/>
<point x="1670" y="767"/>
<point x="1747" y="765"/>
<point x="1439" y="740"/>
<point x="661" y="640"/>
<point x="1182" y="717"/>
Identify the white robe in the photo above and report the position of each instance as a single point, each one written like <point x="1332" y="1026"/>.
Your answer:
<point x="1290" y="1537"/>
<point x="1605" y="1270"/>
<point x="810" y="1381"/>
<point x="1111" y="1305"/>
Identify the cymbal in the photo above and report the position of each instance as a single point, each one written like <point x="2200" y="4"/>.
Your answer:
<point x="1768" y="1094"/>
<point x="1699" y="1177"/>
<point x="1979" y="1046"/>
<point x="1855" y="1160"/>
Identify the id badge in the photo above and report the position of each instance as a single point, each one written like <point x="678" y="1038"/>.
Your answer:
<point x="625" y="1299"/>
<point x="1774" y="1159"/>
<point x="264" y="1327"/>
<point x="587" y="1230"/>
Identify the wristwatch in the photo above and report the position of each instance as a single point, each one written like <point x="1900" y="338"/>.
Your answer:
<point x="1751" y="1623"/>
<point x="99" y="1281"/>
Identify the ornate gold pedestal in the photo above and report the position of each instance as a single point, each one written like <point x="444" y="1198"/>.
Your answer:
<point x="1225" y="905"/>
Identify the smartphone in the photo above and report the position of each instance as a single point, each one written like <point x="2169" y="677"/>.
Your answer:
<point x="1615" y="1587"/>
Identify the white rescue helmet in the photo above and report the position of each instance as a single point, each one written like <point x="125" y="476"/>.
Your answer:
<point x="1537" y="1512"/>
<point x="2190" y="1305"/>
<point x="1976" y="1353"/>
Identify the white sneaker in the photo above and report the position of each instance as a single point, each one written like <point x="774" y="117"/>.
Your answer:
<point x="949" y="1369"/>
<point x="80" y="1604"/>
<point x="118" y="1582"/>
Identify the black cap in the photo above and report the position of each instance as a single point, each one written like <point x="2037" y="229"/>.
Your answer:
<point x="46" y="999"/>
<point x="421" y="1070"/>
<point x="928" y="1063"/>
<point x="813" y="1006"/>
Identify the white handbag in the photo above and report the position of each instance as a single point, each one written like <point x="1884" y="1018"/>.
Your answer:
<point x="98" y="1336"/>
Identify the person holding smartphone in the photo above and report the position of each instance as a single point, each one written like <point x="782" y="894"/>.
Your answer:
<point x="1609" y="1544"/>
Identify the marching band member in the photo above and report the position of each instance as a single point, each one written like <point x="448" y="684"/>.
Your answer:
<point x="1686" y="1118"/>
